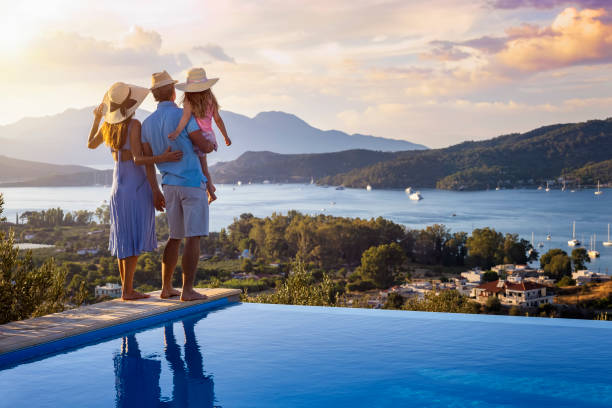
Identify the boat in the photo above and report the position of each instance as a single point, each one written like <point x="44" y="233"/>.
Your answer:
<point x="548" y="237"/>
<point x="408" y="190"/>
<point x="340" y="188"/>
<point x="416" y="196"/>
<point x="547" y="188"/>
<point x="540" y="245"/>
<point x="573" y="242"/>
<point x="598" y="192"/>
<point x="312" y="180"/>
<point x="563" y="188"/>
<point x="540" y="187"/>
<point x="239" y="183"/>
<point x="608" y="242"/>
<point x="266" y="182"/>
<point x="593" y="252"/>
<point x="369" y="187"/>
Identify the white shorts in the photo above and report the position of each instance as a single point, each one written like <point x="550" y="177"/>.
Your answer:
<point x="186" y="211"/>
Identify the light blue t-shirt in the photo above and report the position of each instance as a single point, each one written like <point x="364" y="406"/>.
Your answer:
<point x="155" y="129"/>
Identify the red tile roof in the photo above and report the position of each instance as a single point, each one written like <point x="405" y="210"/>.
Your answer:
<point x="523" y="286"/>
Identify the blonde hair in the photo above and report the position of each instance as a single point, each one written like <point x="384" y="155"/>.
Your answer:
<point x="115" y="135"/>
<point x="201" y="102"/>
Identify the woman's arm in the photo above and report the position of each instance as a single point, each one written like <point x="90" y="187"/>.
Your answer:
<point x="140" y="159"/>
<point x="95" y="138"/>
<point x="183" y="122"/>
<point x="221" y="126"/>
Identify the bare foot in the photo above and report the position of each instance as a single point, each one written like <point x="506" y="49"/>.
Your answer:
<point x="133" y="295"/>
<point x="165" y="294"/>
<point x="192" y="295"/>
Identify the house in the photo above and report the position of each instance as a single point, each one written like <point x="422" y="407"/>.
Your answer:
<point x="522" y="271"/>
<point x="474" y="275"/>
<point x="91" y="251"/>
<point x="586" y="276"/>
<point x="516" y="293"/>
<point x="110" y="289"/>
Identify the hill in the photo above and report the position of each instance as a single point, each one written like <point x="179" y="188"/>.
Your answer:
<point x="62" y="138"/>
<point x="14" y="170"/>
<point x="573" y="151"/>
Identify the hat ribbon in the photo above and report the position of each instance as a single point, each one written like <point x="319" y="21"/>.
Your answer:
<point x="191" y="81"/>
<point x="123" y="106"/>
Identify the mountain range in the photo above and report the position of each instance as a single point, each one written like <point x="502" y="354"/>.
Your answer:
<point x="61" y="138"/>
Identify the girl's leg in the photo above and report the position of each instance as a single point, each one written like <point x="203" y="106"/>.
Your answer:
<point x="128" y="289"/>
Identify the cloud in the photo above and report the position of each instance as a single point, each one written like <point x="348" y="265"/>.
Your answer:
<point x="214" y="51"/>
<point x="547" y="4"/>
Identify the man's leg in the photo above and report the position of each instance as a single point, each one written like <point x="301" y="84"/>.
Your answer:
<point x="191" y="255"/>
<point x="169" y="260"/>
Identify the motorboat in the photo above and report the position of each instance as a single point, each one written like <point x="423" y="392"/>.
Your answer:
<point x="416" y="196"/>
<point x="369" y="187"/>
<point x="408" y="190"/>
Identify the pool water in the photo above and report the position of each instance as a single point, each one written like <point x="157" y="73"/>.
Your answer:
<point x="254" y="355"/>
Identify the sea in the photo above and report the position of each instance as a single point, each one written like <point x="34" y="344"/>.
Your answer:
<point x="527" y="212"/>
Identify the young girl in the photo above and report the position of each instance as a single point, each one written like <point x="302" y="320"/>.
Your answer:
<point x="200" y="102"/>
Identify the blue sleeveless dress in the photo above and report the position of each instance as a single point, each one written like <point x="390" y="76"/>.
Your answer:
<point x="132" y="214"/>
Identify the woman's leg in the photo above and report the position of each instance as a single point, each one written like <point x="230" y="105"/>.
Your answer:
<point x="121" y="270"/>
<point x="129" y="265"/>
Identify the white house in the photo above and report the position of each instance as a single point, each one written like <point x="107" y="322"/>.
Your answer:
<point x="110" y="289"/>
<point x="586" y="276"/>
<point x="523" y="293"/>
<point x="473" y="276"/>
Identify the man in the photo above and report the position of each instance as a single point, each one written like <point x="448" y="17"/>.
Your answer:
<point x="184" y="185"/>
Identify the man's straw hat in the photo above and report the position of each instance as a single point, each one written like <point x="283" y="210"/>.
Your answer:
<point x="159" y="79"/>
<point x="197" y="81"/>
<point x="122" y="100"/>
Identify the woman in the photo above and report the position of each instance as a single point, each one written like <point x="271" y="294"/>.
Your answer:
<point x="131" y="204"/>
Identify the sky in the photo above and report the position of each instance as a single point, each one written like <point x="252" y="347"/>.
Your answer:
<point x="435" y="72"/>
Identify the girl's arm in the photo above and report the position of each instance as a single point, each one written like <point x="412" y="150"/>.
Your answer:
<point x="221" y="127"/>
<point x="183" y="122"/>
<point x="95" y="138"/>
<point x="140" y="159"/>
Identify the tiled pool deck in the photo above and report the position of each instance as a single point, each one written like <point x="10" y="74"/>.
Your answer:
<point x="17" y="339"/>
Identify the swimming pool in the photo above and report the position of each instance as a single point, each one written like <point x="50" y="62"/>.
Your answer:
<point x="256" y="355"/>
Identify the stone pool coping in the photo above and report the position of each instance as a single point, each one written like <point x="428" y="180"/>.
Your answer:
<point x="30" y="338"/>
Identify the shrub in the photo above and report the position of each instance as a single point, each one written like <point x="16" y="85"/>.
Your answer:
<point x="361" y="286"/>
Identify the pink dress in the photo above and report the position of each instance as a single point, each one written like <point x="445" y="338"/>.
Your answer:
<point x="205" y="124"/>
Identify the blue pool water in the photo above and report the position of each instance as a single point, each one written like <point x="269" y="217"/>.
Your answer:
<point x="252" y="355"/>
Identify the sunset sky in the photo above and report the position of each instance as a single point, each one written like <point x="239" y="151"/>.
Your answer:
<point x="435" y="72"/>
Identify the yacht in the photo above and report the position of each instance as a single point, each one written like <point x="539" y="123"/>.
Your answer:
<point x="548" y="237"/>
<point x="593" y="252"/>
<point x="416" y="196"/>
<point x="573" y="242"/>
<point x="608" y="242"/>
<point x="547" y="188"/>
<point x="239" y="183"/>
<point x="408" y="190"/>
<point x="563" y="188"/>
<point x="369" y="187"/>
<point x="598" y="192"/>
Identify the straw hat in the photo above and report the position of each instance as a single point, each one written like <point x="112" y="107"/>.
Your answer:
<point x="122" y="100"/>
<point x="197" y="81"/>
<point x="159" y="79"/>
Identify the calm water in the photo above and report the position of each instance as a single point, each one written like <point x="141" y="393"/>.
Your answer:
<point x="252" y="355"/>
<point x="515" y="211"/>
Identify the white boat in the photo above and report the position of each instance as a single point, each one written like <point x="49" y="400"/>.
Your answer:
<point x="340" y="188"/>
<point x="540" y="187"/>
<point x="416" y="196"/>
<point x="266" y="182"/>
<point x="563" y="188"/>
<point x="540" y="245"/>
<point x="369" y="187"/>
<point x="547" y="188"/>
<point x="573" y="242"/>
<point x="593" y="252"/>
<point x="311" y="180"/>
<point x="548" y="237"/>
<point x="408" y="190"/>
<point x="608" y="242"/>
<point x="239" y="183"/>
<point x="598" y="192"/>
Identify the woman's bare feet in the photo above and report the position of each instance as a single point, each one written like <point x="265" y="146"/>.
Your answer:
<point x="134" y="295"/>
<point x="165" y="294"/>
<point x="189" y="295"/>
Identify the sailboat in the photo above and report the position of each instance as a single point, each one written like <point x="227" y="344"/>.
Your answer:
<point x="547" y="188"/>
<point x="369" y="187"/>
<point x="563" y="188"/>
<point x="573" y="242"/>
<point x="593" y="252"/>
<point x="598" y="192"/>
<point x="608" y="242"/>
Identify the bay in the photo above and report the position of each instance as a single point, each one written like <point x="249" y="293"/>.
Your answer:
<point x="509" y="211"/>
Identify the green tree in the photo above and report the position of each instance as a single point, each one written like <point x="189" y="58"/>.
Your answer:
<point x="490" y="276"/>
<point x="580" y="257"/>
<point x="394" y="301"/>
<point x="103" y="214"/>
<point x="493" y="305"/>
<point x="559" y="265"/>
<point x="485" y="247"/>
<point x="547" y="257"/>
<point x="381" y="264"/>
<point x="447" y="301"/>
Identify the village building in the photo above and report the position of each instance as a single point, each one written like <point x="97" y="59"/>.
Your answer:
<point x="585" y="276"/>
<point x="110" y="289"/>
<point x="518" y="293"/>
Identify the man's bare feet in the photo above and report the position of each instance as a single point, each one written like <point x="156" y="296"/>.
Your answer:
<point x="134" y="295"/>
<point x="165" y="294"/>
<point x="190" y="295"/>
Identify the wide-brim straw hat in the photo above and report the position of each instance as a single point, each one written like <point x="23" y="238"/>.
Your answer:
<point x="122" y="100"/>
<point x="159" y="79"/>
<point x="196" y="81"/>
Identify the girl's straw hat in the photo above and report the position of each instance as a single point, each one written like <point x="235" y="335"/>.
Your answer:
<point x="122" y="100"/>
<point x="196" y="81"/>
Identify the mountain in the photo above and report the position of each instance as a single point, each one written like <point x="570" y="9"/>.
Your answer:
<point x="572" y="151"/>
<point x="62" y="138"/>
<point x="260" y="166"/>
<point x="14" y="170"/>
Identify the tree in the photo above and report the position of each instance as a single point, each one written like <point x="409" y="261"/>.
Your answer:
<point x="394" y="301"/>
<point x="490" y="276"/>
<point x="547" y="257"/>
<point x="447" y="301"/>
<point x="560" y="265"/>
<point x="493" y="304"/>
<point x="580" y="257"/>
<point x="103" y="214"/>
<point x="381" y="263"/>
<point x="485" y="247"/>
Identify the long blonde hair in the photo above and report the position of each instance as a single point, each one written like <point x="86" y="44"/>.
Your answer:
<point x="201" y="102"/>
<point x="115" y="135"/>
